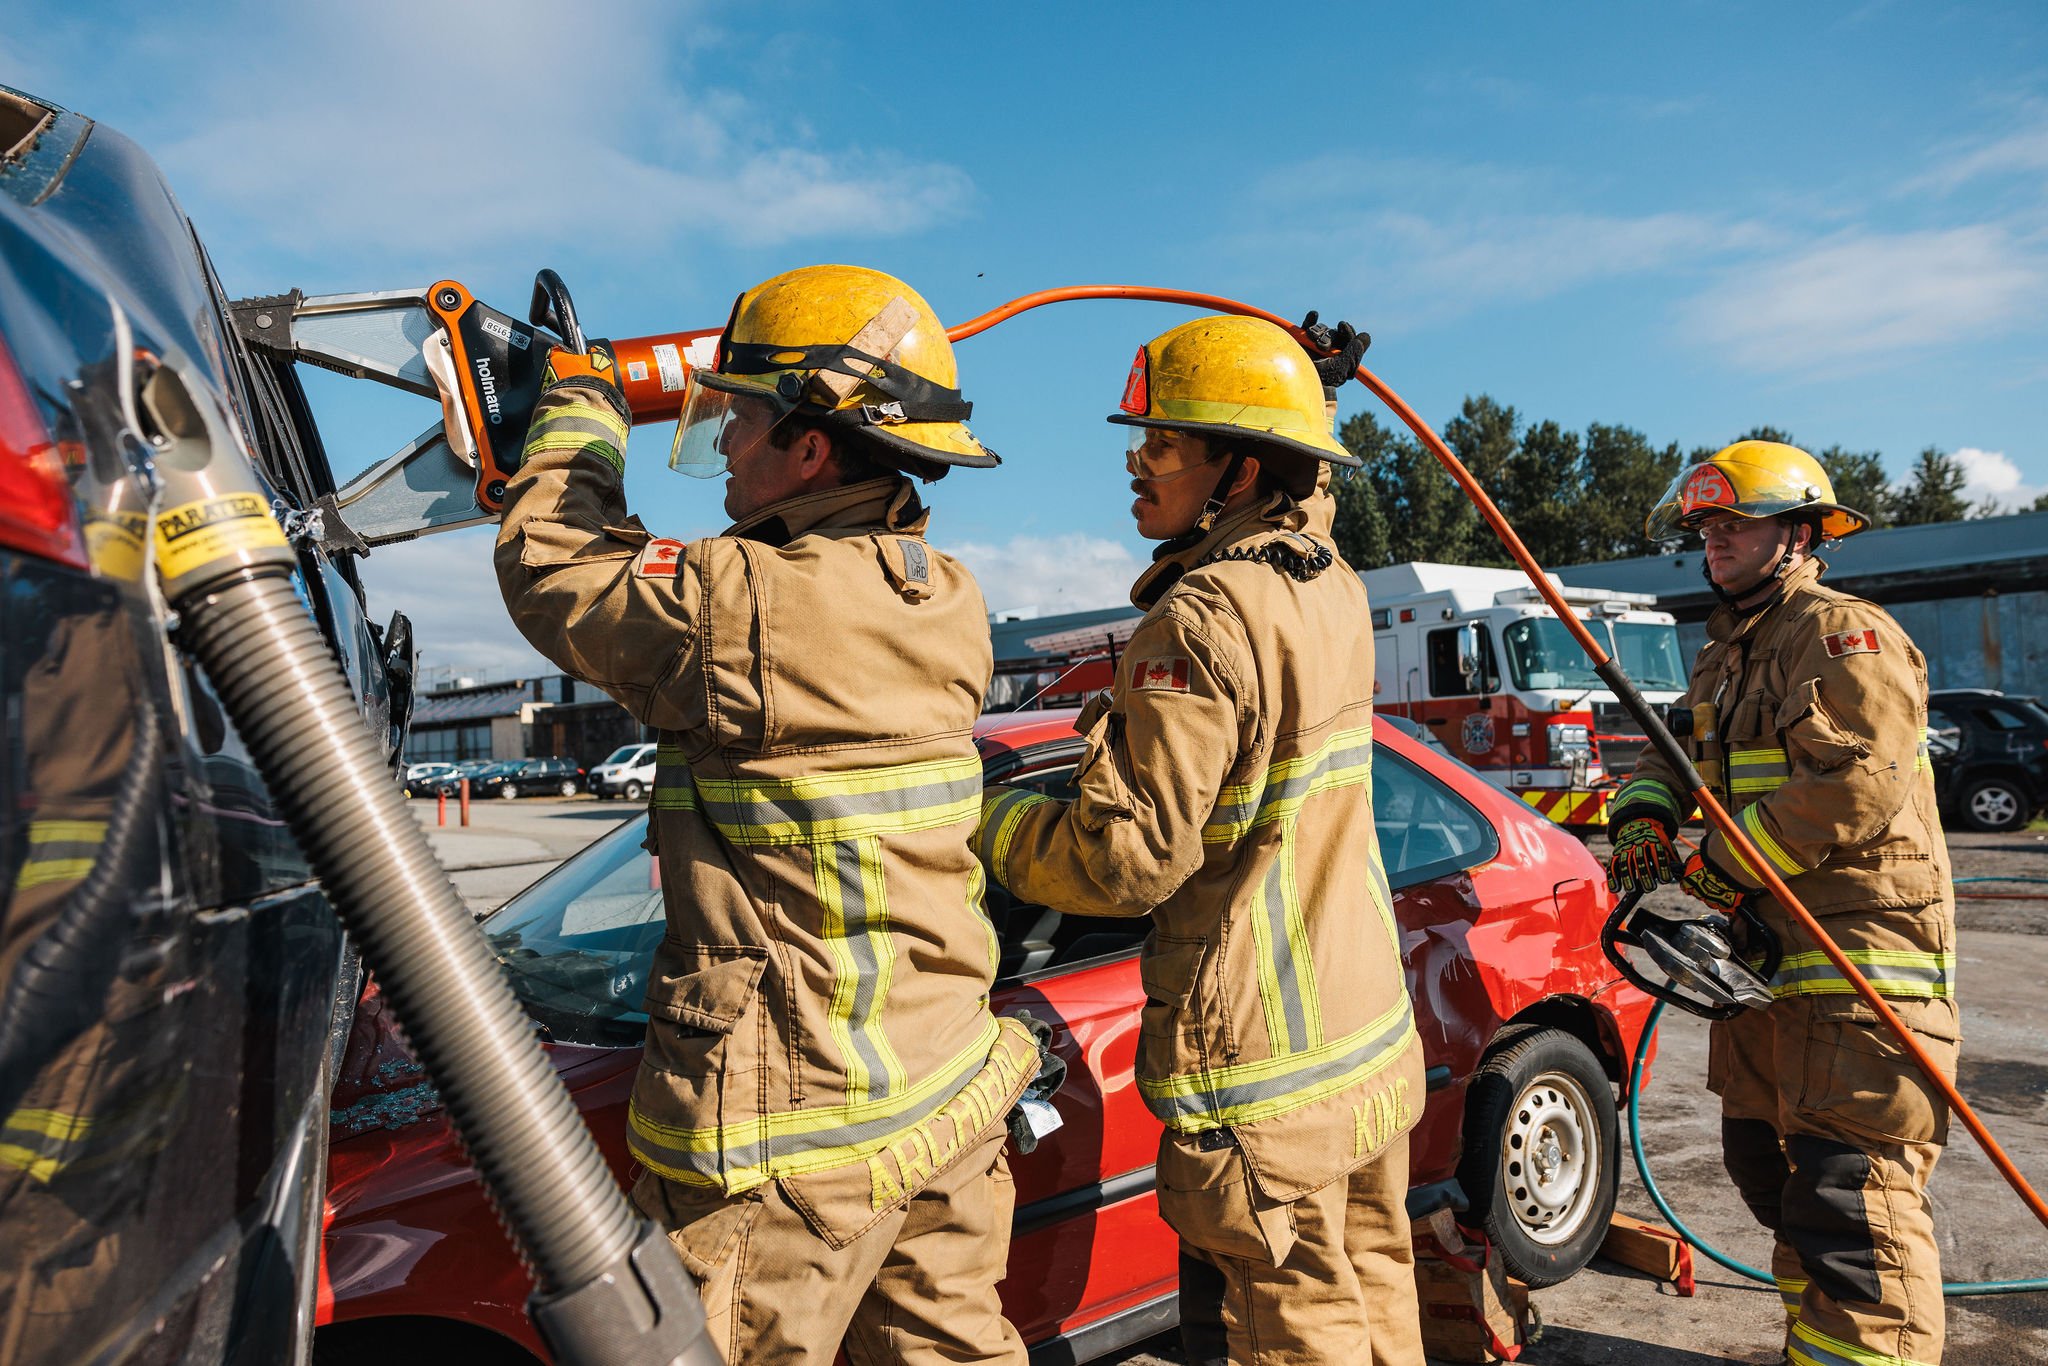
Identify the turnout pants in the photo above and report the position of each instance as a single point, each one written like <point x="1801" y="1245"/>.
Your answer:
<point x="1830" y="1134"/>
<point x="919" y="1288"/>
<point x="1342" y="1292"/>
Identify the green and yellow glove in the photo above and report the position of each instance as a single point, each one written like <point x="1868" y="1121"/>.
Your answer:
<point x="1644" y="858"/>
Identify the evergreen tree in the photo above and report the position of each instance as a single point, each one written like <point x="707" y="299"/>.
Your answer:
<point x="1625" y="476"/>
<point x="1933" y="491"/>
<point x="1860" y="482"/>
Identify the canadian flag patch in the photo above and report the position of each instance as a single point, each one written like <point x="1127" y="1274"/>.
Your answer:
<point x="1841" y="643"/>
<point x="1169" y="674"/>
<point x="659" y="559"/>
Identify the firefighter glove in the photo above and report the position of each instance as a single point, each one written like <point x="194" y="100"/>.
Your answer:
<point x="1346" y="345"/>
<point x="594" y="369"/>
<point x="1644" y="858"/>
<point x="1704" y="882"/>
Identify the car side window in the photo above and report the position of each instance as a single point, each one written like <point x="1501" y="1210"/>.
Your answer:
<point x="1425" y="830"/>
<point x="1946" y="734"/>
<point x="1035" y="938"/>
<point x="2002" y="718"/>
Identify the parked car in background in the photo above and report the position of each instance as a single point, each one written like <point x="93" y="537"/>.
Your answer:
<point x="1990" y="753"/>
<point x="450" y="784"/>
<point x="627" y="771"/>
<point x="529" y="778"/>
<point x="424" y="778"/>
<point x="1526" y="1030"/>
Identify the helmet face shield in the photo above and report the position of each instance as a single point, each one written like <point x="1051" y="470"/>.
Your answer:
<point x="719" y="426"/>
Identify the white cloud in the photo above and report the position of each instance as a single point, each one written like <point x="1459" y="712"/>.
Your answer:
<point x="407" y="133"/>
<point x="1043" y="575"/>
<point x="2021" y="152"/>
<point x="446" y="585"/>
<point x="1992" y="476"/>
<point x="1857" y="297"/>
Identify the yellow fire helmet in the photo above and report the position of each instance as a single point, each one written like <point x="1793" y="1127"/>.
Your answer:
<point x="1233" y="376"/>
<point x="842" y="343"/>
<point x="1752" y="479"/>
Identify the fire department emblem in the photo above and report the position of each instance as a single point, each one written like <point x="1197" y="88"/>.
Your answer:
<point x="1168" y="674"/>
<point x="1477" y="733"/>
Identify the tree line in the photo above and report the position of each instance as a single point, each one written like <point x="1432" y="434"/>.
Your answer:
<point x="1577" y="497"/>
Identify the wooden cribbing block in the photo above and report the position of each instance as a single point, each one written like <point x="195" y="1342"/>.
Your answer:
<point x="1650" y="1248"/>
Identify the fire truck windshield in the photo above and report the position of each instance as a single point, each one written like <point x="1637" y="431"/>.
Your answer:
<point x="1543" y="657"/>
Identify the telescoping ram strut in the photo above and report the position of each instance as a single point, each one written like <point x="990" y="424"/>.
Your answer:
<point x="1609" y="670"/>
<point x="609" y="1288"/>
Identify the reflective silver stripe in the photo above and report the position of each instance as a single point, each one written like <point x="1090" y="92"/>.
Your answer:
<point x="1893" y="972"/>
<point x="1345" y="760"/>
<point x="864" y="931"/>
<point x="1811" y="1347"/>
<point x="1280" y="975"/>
<point x="782" y="818"/>
<point x="741" y="1156"/>
<point x="1248" y="1092"/>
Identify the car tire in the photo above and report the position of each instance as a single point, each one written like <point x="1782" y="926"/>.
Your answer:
<point x="1994" y="805"/>
<point x="567" y="787"/>
<point x="508" y="790"/>
<point x="1542" y="1150"/>
<point x="633" y="791"/>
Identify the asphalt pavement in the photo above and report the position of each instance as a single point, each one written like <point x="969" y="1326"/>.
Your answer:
<point x="1608" y="1315"/>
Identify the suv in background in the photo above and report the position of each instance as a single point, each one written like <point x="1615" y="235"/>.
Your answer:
<point x="1990" y="753"/>
<point x="529" y="777"/>
<point x="628" y="773"/>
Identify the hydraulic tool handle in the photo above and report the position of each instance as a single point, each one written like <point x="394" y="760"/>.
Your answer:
<point x="553" y="309"/>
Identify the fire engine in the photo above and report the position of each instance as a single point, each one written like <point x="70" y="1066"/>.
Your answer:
<point x="1543" y="727"/>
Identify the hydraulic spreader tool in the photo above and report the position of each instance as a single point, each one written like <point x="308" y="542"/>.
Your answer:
<point x="484" y="369"/>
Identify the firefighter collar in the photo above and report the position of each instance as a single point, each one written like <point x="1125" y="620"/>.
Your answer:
<point x="890" y="502"/>
<point x="1175" y="557"/>
<point x="1727" y="624"/>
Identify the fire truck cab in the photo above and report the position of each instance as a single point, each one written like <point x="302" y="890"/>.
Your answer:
<point x="1477" y="657"/>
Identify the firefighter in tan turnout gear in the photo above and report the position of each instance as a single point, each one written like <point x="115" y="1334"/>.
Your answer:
<point x="1226" y="791"/>
<point x="1809" y="710"/>
<point x="822" y="1107"/>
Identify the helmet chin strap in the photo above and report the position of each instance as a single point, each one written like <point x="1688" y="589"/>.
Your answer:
<point x="1220" y="494"/>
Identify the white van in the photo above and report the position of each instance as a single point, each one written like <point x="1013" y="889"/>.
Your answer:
<point x="628" y="773"/>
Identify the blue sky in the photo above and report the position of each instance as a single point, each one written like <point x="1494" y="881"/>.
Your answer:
<point x="1688" y="218"/>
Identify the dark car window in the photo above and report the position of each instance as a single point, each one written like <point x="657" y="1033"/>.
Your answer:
<point x="2004" y="718"/>
<point x="1425" y="829"/>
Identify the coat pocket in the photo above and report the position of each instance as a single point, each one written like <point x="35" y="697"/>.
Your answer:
<point x="1105" y="792"/>
<point x="1208" y="1196"/>
<point x="1811" y="732"/>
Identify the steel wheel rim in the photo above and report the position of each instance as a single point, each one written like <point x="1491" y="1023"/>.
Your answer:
<point x="1994" y="806"/>
<point x="1549" y="1166"/>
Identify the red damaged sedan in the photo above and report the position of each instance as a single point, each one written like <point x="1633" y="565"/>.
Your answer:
<point x="1525" y="1028"/>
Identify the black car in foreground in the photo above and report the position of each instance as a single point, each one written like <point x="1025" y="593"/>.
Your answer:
<point x="1990" y="753"/>
<point x="175" y="989"/>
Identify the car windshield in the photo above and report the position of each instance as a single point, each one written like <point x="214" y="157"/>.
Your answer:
<point x="577" y="944"/>
<point x="624" y="754"/>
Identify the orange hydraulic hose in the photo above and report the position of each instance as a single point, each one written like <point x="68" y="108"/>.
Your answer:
<point x="1715" y="813"/>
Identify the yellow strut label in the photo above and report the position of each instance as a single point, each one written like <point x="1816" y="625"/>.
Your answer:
<point x="197" y="534"/>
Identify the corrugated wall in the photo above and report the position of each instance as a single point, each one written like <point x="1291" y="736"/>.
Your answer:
<point x="1998" y="640"/>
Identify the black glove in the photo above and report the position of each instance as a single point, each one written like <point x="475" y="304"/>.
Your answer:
<point x="1348" y="345"/>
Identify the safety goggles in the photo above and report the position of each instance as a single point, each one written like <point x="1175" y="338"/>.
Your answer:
<point x="1161" y="456"/>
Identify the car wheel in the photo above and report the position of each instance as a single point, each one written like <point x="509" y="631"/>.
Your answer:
<point x="1541" y="1144"/>
<point x="508" y="790"/>
<point x="632" y="791"/>
<point x="567" y="787"/>
<point x="1994" y="804"/>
